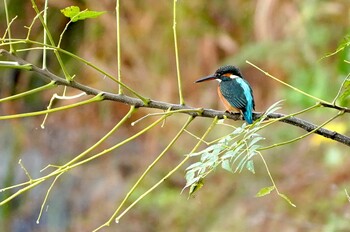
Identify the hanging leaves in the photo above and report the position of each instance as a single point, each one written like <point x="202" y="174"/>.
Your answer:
<point x="233" y="153"/>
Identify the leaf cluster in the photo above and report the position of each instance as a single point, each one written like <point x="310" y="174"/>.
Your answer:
<point x="233" y="153"/>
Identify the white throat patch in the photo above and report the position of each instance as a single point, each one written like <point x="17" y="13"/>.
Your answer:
<point x="234" y="76"/>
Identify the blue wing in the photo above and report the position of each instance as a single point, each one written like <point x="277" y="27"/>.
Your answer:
<point x="240" y="95"/>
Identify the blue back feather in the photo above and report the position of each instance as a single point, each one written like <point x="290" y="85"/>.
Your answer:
<point x="240" y="95"/>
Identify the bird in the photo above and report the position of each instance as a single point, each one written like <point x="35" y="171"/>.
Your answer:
<point x="234" y="91"/>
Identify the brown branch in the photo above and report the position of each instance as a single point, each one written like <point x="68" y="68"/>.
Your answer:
<point x="48" y="76"/>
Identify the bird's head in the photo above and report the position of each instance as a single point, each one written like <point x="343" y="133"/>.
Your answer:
<point x="224" y="73"/>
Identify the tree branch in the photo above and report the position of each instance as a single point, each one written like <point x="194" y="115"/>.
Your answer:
<point x="197" y="112"/>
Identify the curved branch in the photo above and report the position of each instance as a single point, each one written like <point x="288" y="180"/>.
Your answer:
<point x="196" y="112"/>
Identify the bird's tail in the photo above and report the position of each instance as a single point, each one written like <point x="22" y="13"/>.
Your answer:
<point x="248" y="116"/>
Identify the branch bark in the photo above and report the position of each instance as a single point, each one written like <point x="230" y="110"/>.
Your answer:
<point x="294" y="121"/>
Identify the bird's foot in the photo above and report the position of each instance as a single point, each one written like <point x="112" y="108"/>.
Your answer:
<point x="241" y="117"/>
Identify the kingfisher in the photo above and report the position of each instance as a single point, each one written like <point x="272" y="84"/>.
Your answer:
<point x="234" y="91"/>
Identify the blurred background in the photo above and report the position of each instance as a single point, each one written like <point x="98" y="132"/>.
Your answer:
<point x="285" y="38"/>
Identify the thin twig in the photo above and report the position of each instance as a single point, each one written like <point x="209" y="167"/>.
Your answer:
<point x="179" y="83"/>
<point x="190" y="119"/>
<point x="340" y="89"/>
<point x="212" y="125"/>
<point x="117" y="11"/>
<point x="286" y="84"/>
<point x="8" y="24"/>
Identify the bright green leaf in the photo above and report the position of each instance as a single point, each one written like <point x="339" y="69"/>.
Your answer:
<point x="74" y="13"/>
<point x="265" y="191"/>
<point x="70" y="11"/>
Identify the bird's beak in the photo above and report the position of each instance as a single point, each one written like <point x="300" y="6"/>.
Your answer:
<point x="207" y="78"/>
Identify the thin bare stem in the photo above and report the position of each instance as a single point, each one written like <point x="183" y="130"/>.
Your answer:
<point x="169" y="173"/>
<point x="32" y="91"/>
<point x="149" y="168"/>
<point x="45" y="35"/>
<point x="52" y="42"/>
<point x="273" y="182"/>
<point x="340" y="89"/>
<point x="117" y="10"/>
<point x="132" y="110"/>
<point x="25" y="170"/>
<point x="31" y="114"/>
<point x="288" y="85"/>
<point x="46" y="197"/>
<point x="302" y="136"/>
<point x="182" y="101"/>
<point x="8" y="25"/>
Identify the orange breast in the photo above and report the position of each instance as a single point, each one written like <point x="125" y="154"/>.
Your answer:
<point x="226" y="103"/>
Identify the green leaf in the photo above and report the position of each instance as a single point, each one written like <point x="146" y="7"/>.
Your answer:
<point x="191" y="180"/>
<point x="189" y="177"/>
<point x="242" y="163"/>
<point x="211" y="156"/>
<point x="346" y="90"/>
<point x="226" y="165"/>
<point x="274" y="107"/>
<point x="229" y="155"/>
<point x="193" y="166"/>
<point x="70" y="11"/>
<point x="238" y="130"/>
<point x="287" y="199"/>
<point x="250" y="166"/>
<point x="74" y="13"/>
<point x="255" y="140"/>
<point x="265" y="191"/>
